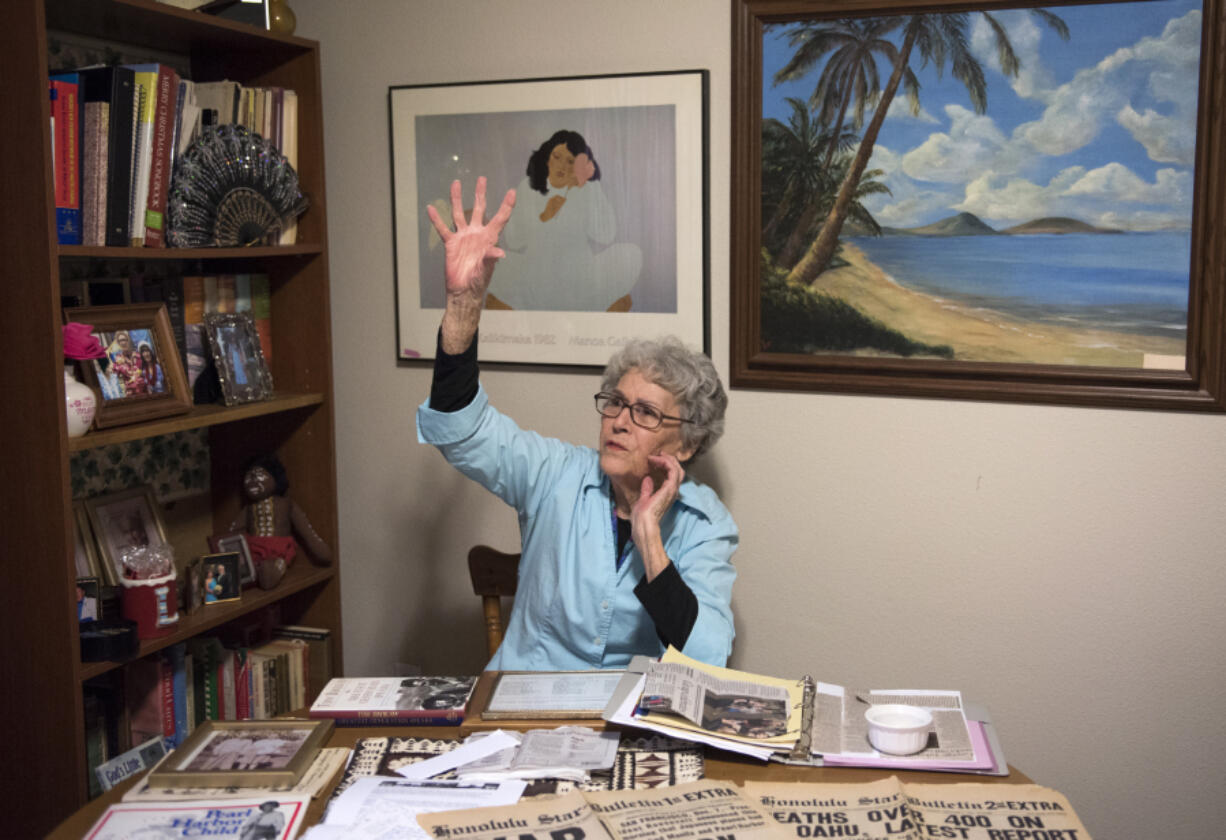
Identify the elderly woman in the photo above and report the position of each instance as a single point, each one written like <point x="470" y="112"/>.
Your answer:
<point x="621" y="555"/>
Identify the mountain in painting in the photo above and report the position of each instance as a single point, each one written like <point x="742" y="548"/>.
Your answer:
<point x="1056" y="224"/>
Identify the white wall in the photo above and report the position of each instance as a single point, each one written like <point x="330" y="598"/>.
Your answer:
<point x="1061" y="566"/>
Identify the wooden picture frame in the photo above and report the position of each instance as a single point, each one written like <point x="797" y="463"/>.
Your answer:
<point x="128" y="518"/>
<point x="133" y="387"/>
<point x="85" y="547"/>
<point x="248" y="753"/>
<point x="234" y="344"/>
<point x="236" y="542"/>
<point x="623" y="254"/>
<point x="221" y="577"/>
<point x="1195" y="382"/>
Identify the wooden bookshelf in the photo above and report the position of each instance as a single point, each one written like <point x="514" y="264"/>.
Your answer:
<point x="42" y="702"/>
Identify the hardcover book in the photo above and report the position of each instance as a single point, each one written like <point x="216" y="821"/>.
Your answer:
<point x="395" y="701"/>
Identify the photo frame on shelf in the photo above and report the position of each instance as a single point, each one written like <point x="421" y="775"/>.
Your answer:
<point x="250" y="753"/>
<point x="221" y="577"/>
<point x="614" y="248"/>
<point x="234" y="343"/>
<point x="236" y="542"/>
<point x="141" y="377"/>
<point x="85" y="548"/>
<point x="126" y="519"/>
<point x="992" y="277"/>
<point x="89" y="599"/>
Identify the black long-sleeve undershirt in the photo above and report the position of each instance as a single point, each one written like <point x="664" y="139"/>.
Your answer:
<point x="669" y="602"/>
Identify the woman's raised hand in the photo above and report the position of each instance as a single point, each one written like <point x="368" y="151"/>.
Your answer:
<point x="472" y="249"/>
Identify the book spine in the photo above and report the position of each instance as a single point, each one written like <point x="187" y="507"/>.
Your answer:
<point x="161" y="156"/>
<point x="120" y="150"/>
<point x="261" y="311"/>
<point x="176" y="656"/>
<point x="146" y="78"/>
<point x="242" y="683"/>
<point x="66" y="113"/>
<point x="229" y="689"/>
<point x="227" y="293"/>
<point x="166" y="689"/>
<point x="93" y="166"/>
<point x="194" y="344"/>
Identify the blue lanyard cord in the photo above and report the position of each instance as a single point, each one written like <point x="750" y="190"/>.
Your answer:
<point x="620" y="558"/>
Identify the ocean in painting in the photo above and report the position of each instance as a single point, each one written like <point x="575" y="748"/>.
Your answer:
<point x="1126" y="282"/>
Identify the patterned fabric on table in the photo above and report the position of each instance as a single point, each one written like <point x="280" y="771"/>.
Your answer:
<point x="642" y="762"/>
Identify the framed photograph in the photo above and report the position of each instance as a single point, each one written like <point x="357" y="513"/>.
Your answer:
<point x="236" y="543"/>
<point x="980" y="200"/>
<point x="251" y="753"/>
<point x="89" y="599"/>
<point x="191" y="585"/>
<point x="235" y="345"/>
<point x="141" y="377"/>
<point x="84" y="548"/>
<point x="608" y="238"/>
<point x="219" y="575"/>
<point x="127" y="519"/>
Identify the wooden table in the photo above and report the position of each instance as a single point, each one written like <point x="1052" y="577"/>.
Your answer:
<point x="719" y="765"/>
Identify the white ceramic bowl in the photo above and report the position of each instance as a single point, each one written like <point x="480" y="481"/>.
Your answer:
<point x="897" y="729"/>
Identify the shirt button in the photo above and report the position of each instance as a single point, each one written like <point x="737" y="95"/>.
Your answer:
<point x="596" y="641"/>
<point x="604" y="605"/>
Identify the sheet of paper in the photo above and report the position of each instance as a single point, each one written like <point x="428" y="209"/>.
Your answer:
<point x="553" y="692"/>
<point x="470" y="751"/>
<point x="380" y="807"/>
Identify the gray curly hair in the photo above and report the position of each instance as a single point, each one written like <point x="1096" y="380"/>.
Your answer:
<point x="686" y="374"/>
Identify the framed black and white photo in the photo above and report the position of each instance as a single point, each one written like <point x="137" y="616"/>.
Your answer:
<point x="84" y="547"/>
<point x="235" y="345"/>
<point x="256" y="753"/>
<point x="608" y="238"/>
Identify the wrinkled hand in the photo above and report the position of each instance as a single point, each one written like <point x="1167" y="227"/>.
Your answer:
<point x="472" y="249"/>
<point x="653" y="502"/>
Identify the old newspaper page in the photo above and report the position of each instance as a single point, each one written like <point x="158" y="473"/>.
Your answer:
<point x="686" y="694"/>
<point x="839" y="727"/>
<point x="691" y="811"/>
<point x="891" y="810"/>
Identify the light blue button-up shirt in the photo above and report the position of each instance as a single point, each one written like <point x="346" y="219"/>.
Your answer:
<point x="574" y="609"/>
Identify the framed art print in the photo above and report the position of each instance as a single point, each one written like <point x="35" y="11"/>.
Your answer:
<point x="608" y="237"/>
<point x="980" y="200"/>
<point x="141" y="376"/>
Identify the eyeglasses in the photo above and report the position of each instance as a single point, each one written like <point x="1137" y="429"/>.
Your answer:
<point x="643" y="415"/>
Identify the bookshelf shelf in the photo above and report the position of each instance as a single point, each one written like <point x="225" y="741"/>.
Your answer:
<point x="45" y="681"/>
<point x="194" y="254"/>
<point x="199" y="417"/>
<point x="300" y="576"/>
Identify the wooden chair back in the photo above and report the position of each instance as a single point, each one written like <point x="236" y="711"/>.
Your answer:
<point x="495" y="575"/>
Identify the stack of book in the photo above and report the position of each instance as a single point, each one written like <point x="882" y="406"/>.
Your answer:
<point x="117" y="132"/>
<point x="167" y="695"/>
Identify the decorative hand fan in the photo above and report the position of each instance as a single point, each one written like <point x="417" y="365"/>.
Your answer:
<point x="231" y="188"/>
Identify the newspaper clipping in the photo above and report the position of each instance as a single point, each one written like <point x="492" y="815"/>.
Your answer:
<point x="728" y="703"/>
<point x="897" y="811"/>
<point x="692" y="811"/>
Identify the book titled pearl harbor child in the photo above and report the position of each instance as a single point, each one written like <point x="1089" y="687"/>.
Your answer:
<point x="395" y="701"/>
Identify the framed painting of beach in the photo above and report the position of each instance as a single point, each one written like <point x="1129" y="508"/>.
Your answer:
<point x="987" y="201"/>
<point x="608" y="238"/>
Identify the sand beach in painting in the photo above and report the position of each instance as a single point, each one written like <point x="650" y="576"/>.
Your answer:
<point x="979" y="334"/>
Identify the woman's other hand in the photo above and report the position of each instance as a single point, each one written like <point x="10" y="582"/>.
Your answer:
<point x="653" y="502"/>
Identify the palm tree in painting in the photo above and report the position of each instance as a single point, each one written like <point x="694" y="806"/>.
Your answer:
<point x="795" y="177"/>
<point x="936" y="39"/>
<point x="849" y="80"/>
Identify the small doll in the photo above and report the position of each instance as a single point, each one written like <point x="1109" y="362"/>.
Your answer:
<point x="271" y="520"/>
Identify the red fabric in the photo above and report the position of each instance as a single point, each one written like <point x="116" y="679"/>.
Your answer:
<point x="265" y="547"/>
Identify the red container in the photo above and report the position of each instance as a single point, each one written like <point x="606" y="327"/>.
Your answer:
<point x="153" y="604"/>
